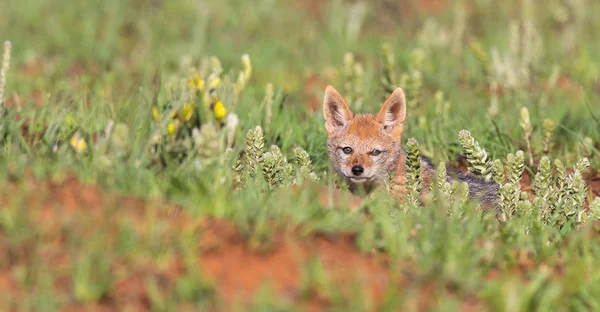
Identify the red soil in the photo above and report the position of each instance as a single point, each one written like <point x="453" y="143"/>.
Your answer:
<point x="223" y="255"/>
<point x="239" y="271"/>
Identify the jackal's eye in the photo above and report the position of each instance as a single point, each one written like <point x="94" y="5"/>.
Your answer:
<point x="347" y="150"/>
<point x="375" y="152"/>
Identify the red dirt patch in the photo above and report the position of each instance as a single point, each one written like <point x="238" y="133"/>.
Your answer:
<point x="67" y="208"/>
<point x="312" y="7"/>
<point x="431" y="6"/>
<point x="337" y="198"/>
<point x="68" y="212"/>
<point x="594" y="183"/>
<point x="315" y="7"/>
<point x="239" y="271"/>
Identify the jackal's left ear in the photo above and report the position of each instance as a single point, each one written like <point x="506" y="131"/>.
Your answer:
<point x="393" y="112"/>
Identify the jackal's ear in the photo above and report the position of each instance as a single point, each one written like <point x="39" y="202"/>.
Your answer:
<point x="335" y="110"/>
<point x="393" y="112"/>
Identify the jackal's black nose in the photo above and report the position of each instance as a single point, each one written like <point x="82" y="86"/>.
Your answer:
<point x="357" y="170"/>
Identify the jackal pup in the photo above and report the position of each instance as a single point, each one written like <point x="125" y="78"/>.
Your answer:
<point x="365" y="148"/>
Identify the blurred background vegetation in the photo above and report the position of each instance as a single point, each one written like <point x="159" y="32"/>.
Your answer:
<point x="77" y="67"/>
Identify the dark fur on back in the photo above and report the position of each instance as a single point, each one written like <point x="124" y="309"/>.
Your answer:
<point x="479" y="189"/>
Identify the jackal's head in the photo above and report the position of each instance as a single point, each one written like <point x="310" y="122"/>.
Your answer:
<point x="364" y="148"/>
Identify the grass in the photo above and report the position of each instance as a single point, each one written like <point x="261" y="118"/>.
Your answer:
<point x="107" y="200"/>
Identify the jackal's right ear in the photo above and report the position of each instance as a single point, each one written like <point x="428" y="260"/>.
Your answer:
<point x="335" y="110"/>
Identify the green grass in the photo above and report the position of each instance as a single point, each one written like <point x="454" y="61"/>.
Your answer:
<point x="76" y="67"/>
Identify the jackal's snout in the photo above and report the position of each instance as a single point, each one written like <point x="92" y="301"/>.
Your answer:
<point x="357" y="170"/>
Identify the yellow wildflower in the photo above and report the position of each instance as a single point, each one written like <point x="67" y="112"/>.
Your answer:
<point x="171" y="128"/>
<point x="219" y="110"/>
<point x="78" y="144"/>
<point x="156" y="114"/>
<point x="197" y="83"/>
<point x="187" y="112"/>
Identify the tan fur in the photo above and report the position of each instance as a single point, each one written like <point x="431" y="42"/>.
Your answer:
<point x="365" y="133"/>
